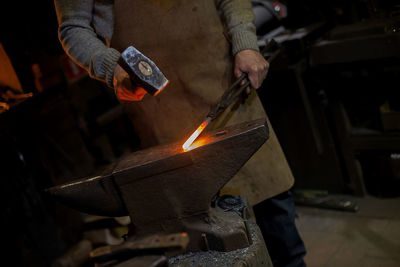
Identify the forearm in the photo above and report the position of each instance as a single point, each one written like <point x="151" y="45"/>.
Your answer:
<point x="239" y="19"/>
<point x="80" y="41"/>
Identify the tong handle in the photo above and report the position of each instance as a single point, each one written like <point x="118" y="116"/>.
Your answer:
<point x="234" y="91"/>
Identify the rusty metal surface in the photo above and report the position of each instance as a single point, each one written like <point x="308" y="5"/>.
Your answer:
<point x="166" y="190"/>
<point x="223" y="154"/>
<point x="256" y="255"/>
<point x="96" y="195"/>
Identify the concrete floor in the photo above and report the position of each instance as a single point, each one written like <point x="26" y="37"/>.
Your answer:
<point x="368" y="237"/>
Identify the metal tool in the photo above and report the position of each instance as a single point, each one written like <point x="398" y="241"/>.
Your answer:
<point x="142" y="71"/>
<point x="235" y="90"/>
<point x="150" y="245"/>
<point x="159" y="188"/>
<point x="230" y="96"/>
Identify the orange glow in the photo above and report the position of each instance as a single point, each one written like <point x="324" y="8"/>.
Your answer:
<point x="159" y="91"/>
<point x="199" y="143"/>
<point x="187" y="145"/>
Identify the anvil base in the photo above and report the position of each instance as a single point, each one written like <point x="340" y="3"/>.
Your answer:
<point x="256" y="255"/>
<point x="215" y="230"/>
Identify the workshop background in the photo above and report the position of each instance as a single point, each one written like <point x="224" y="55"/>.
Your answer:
<point x="332" y="96"/>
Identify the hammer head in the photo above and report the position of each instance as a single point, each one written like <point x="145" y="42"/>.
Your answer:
<point x="142" y="71"/>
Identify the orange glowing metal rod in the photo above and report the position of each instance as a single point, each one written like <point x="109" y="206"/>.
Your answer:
<point x="196" y="133"/>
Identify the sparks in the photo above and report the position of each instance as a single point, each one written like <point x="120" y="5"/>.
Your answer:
<point x="196" y="133"/>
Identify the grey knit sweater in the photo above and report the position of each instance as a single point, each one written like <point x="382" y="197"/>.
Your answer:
<point x="86" y="26"/>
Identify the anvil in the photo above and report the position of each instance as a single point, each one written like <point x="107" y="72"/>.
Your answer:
<point x="165" y="189"/>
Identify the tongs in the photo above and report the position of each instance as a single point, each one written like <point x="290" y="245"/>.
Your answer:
<point x="230" y="96"/>
<point x="235" y="90"/>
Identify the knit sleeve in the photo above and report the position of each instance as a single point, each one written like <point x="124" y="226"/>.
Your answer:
<point x="239" y="19"/>
<point x="80" y="41"/>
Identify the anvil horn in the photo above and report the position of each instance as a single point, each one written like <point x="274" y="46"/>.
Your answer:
<point x="93" y="195"/>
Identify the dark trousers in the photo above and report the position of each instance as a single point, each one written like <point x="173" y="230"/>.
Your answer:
<point x="275" y="217"/>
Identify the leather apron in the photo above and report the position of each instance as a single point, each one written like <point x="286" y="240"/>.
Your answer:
<point x="185" y="39"/>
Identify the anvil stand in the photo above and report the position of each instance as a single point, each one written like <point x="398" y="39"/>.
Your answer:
<point x="167" y="193"/>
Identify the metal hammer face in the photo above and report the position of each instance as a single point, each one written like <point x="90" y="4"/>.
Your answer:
<point x="142" y="71"/>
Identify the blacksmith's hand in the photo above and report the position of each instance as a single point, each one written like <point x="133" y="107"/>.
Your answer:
<point x="123" y="87"/>
<point x="254" y="64"/>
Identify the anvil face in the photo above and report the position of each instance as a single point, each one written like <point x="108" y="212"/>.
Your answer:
<point x="164" y="183"/>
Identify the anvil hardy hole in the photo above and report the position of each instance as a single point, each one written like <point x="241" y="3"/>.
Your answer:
<point x="221" y="133"/>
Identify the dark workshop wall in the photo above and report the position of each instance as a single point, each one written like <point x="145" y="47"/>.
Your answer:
<point x="50" y="138"/>
<point x="337" y="120"/>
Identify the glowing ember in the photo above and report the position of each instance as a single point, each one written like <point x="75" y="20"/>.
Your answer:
<point x="196" y="133"/>
<point x="198" y="143"/>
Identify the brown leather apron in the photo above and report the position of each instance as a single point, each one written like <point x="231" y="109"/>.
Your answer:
<point x="185" y="39"/>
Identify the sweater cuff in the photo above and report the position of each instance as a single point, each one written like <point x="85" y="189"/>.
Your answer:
<point x="244" y="40"/>
<point x="109" y="62"/>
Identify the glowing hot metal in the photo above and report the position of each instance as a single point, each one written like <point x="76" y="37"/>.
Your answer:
<point x="188" y="143"/>
<point x="231" y="95"/>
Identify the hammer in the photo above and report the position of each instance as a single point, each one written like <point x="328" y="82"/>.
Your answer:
<point x="142" y="71"/>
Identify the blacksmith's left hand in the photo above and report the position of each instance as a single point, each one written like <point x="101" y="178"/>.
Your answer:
<point x="254" y="64"/>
